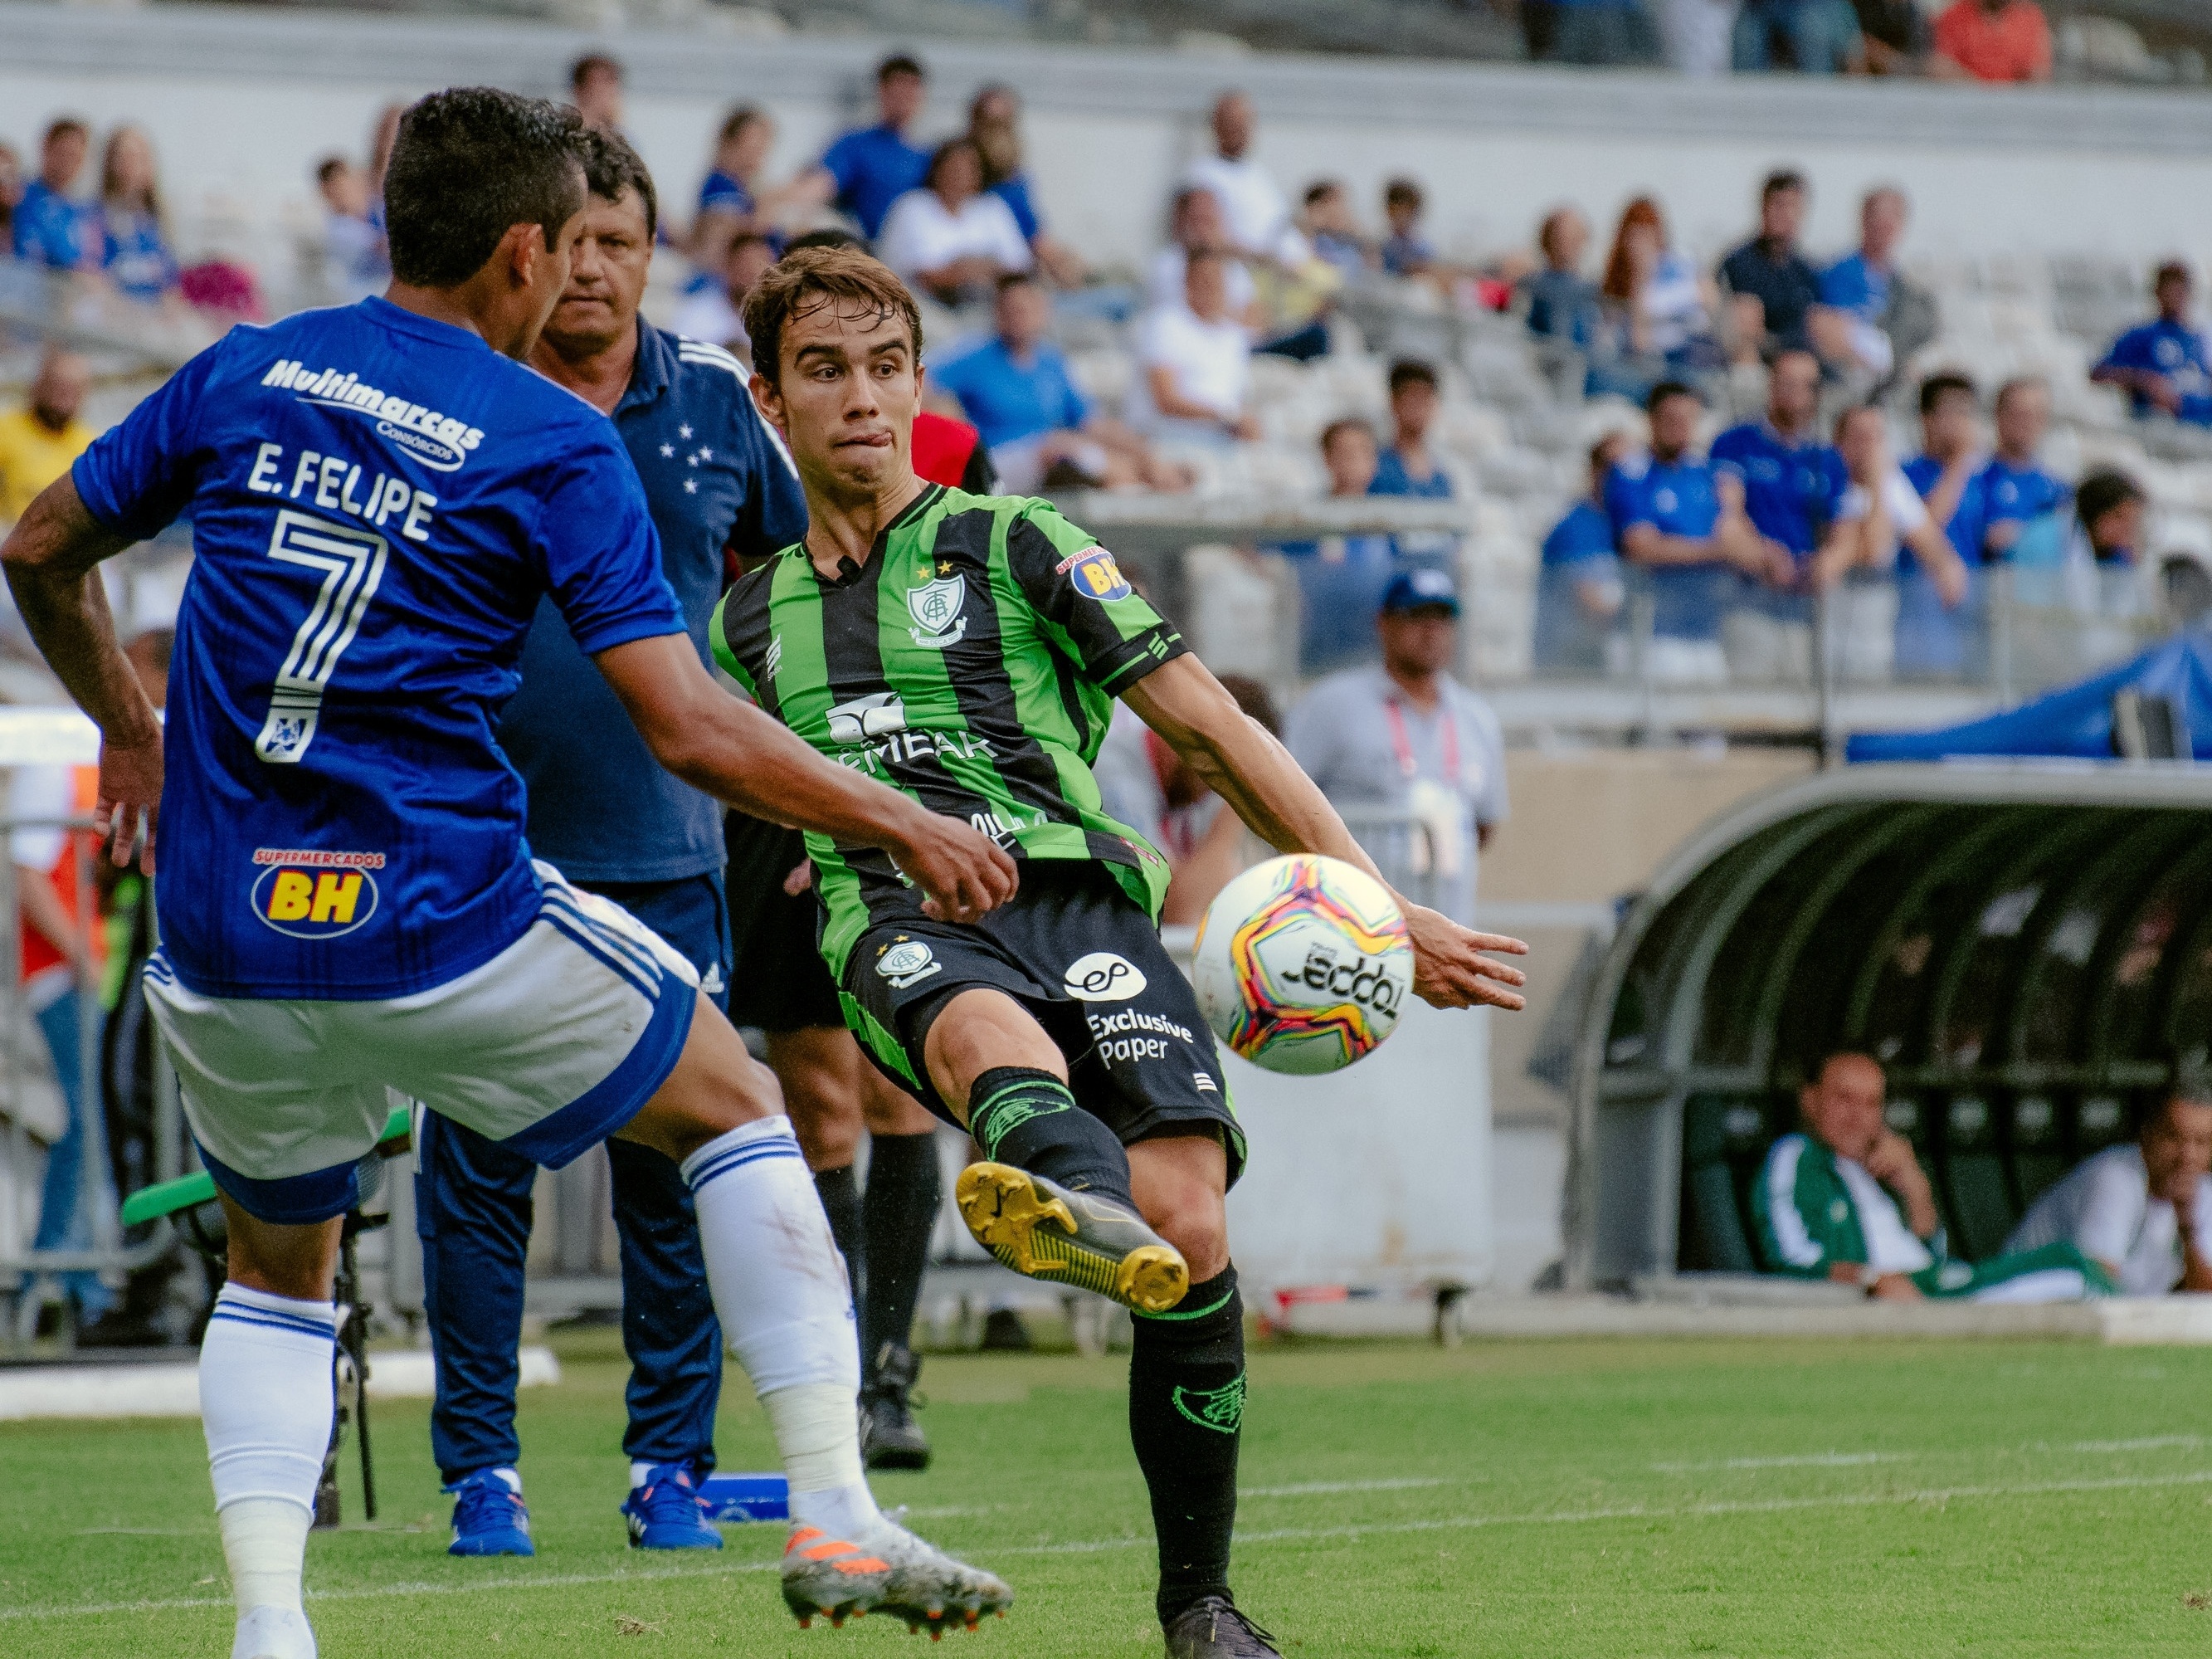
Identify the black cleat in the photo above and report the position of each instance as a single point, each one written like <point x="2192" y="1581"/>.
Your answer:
<point x="1212" y="1628"/>
<point x="889" y="1437"/>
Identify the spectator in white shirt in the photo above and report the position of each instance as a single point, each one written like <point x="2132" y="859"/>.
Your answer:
<point x="952" y="237"/>
<point x="1881" y="511"/>
<point x="1197" y="361"/>
<point x="1257" y="213"/>
<point x="2144" y="1213"/>
<point x="1196" y="222"/>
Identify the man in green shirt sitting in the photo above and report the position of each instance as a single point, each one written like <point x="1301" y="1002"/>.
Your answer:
<point x="1847" y="1201"/>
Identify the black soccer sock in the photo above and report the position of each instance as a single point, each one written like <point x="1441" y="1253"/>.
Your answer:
<point x="900" y="1209"/>
<point x="1028" y="1118"/>
<point x="840" y="1202"/>
<point x="1186" y="1410"/>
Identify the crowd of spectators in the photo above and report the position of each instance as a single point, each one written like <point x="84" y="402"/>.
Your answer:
<point x="1988" y="40"/>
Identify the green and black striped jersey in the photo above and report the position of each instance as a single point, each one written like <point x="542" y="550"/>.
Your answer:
<point x="971" y="662"/>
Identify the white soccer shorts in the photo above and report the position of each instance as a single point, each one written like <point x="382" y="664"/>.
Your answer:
<point x="549" y="1047"/>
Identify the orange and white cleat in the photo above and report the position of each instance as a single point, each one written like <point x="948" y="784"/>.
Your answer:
<point x="830" y="1578"/>
<point x="886" y="1570"/>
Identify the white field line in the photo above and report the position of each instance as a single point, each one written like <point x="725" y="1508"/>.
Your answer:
<point x="1283" y="1534"/>
<point x="1814" y="1460"/>
<point x="1854" y="1459"/>
<point x="1317" y="1488"/>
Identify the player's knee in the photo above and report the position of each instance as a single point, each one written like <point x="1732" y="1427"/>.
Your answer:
<point x="831" y="1140"/>
<point x="1195" y="1220"/>
<point x="299" y="1262"/>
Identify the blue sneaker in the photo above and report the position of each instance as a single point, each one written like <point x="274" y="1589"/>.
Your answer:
<point x="664" y="1514"/>
<point x="489" y="1517"/>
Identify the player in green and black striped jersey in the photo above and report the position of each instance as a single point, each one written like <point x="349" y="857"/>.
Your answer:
<point x="966" y="649"/>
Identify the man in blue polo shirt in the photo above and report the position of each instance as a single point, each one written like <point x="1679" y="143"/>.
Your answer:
<point x="1934" y="638"/>
<point x="868" y="168"/>
<point x="2161" y="364"/>
<point x="2016" y="489"/>
<point x="1855" y="291"/>
<point x="1792" y="484"/>
<point x="52" y="227"/>
<point x="1682" y="522"/>
<point x="612" y="819"/>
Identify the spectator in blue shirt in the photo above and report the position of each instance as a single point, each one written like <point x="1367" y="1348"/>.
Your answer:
<point x="51" y="228"/>
<point x="2161" y="364"/>
<point x="1341" y="578"/>
<point x="1792" y="482"/>
<point x="1563" y="304"/>
<point x="1935" y="637"/>
<point x="1406" y="467"/>
<point x="994" y="127"/>
<point x="1405" y="252"/>
<point x="730" y="205"/>
<point x="1040" y="430"/>
<point x="1682" y="522"/>
<point x="1846" y="326"/>
<point x="1770" y="285"/>
<point x="1601" y="34"/>
<point x="1328" y="225"/>
<point x="1578" y="593"/>
<point x="1817" y="37"/>
<point x="2016" y="489"/>
<point x="134" y="248"/>
<point x="869" y="168"/>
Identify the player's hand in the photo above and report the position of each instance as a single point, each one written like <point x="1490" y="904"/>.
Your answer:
<point x="800" y="879"/>
<point x="962" y="873"/>
<point x="129" y="797"/>
<point x="1450" y="971"/>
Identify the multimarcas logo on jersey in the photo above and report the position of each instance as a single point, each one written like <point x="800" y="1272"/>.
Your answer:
<point x="306" y="894"/>
<point x="439" y="442"/>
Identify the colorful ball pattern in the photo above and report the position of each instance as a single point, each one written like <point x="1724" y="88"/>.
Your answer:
<point x="1303" y="964"/>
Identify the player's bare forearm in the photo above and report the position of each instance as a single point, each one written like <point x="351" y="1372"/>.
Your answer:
<point x="738" y="754"/>
<point x="50" y="558"/>
<point x="1243" y="762"/>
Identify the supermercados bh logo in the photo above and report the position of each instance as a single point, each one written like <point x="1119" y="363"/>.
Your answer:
<point x="1095" y="574"/>
<point x="306" y="894"/>
<point x="439" y="442"/>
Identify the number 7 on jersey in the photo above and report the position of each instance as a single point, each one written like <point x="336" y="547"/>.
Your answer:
<point x="352" y="563"/>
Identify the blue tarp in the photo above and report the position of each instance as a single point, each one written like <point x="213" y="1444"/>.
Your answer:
<point x="2075" y="721"/>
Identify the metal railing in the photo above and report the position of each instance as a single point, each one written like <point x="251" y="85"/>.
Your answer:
<point x="27" y="1273"/>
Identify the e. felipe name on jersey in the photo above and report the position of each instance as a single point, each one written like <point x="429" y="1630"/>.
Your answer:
<point x="304" y="893"/>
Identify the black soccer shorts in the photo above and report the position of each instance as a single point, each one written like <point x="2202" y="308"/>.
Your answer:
<point x="1075" y="950"/>
<point x="779" y="981"/>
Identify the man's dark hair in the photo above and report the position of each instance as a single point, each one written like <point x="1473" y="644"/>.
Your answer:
<point x="611" y="166"/>
<point x="2103" y="490"/>
<point x="828" y="236"/>
<point x="1780" y="180"/>
<point x="2171" y="270"/>
<point x="329" y="169"/>
<point x="1322" y="189"/>
<point x="804" y="281"/>
<point x="1936" y="387"/>
<point x="1402" y="192"/>
<point x="62" y="123"/>
<point x="2018" y="383"/>
<point x="1667" y="389"/>
<point x="1411" y="371"/>
<point x="944" y="153"/>
<point x="469" y="164"/>
<point x="900" y="62"/>
<point x="591" y="63"/>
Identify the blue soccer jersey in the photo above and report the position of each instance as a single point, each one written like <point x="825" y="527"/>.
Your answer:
<point x="2012" y="495"/>
<point x="2172" y="349"/>
<point x="378" y="500"/>
<point x="1677" y="498"/>
<point x="1790" y="490"/>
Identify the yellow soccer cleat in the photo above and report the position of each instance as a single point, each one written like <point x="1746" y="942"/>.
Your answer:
<point x="1045" y="1231"/>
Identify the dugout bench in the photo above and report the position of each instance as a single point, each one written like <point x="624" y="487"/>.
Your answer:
<point x="2025" y="946"/>
<point x="188" y="1202"/>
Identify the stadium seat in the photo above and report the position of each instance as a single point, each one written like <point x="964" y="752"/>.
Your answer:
<point x="1974" y="1178"/>
<point x="2039" y="1157"/>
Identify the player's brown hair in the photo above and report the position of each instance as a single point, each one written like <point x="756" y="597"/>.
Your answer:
<point x="806" y="279"/>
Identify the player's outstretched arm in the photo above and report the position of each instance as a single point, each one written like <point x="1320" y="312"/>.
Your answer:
<point x="1240" y="758"/>
<point x="730" y="749"/>
<point x="50" y="557"/>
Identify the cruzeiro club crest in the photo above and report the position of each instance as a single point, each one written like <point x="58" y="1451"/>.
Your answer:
<point x="937" y="608"/>
<point x="1219" y="1409"/>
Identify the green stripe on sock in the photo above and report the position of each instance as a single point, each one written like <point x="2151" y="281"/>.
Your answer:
<point x="1196" y="1313"/>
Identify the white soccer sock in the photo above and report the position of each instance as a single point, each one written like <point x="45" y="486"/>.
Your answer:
<point x="786" y="1306"/>
<point x="265" y="1406"/>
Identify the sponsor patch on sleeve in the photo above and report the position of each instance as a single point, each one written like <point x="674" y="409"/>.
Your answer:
<point x="1095" y="574"/>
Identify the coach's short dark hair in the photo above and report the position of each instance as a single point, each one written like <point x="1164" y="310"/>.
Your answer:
<point x="1669" y="389"/>
<point x="611" y="166"/>
<point x="1411" y="371"/>
<point x="806" y="279"/>
<point x="469" y="164"/>
<point x="1936" y="387"/>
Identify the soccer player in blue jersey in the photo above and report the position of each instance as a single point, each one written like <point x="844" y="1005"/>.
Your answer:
<point x="380" y="499"/>
<point x="604" y="811"/>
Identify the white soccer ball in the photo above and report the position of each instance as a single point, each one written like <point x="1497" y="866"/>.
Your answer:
<point x="1303" y="964"/>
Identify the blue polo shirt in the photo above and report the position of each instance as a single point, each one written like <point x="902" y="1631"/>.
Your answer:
<point x="51" y="228"/>
<point x="2013" y="496"/>
<point x="722" y="193"/>
<point x="873" y="167"/>
<point x="1015" y="193"/>
<point x="601" y="808"/>
<point x="1677" y="498"/>
<point x="1853" y="285"/>
<point x="1391" y="478"/>
<point x="1585" y="533"/>
<point x="1009" y="399"/>
<point x="1967" y="523"/>
<point x="1790" y="490"/>
<point x="2174" y="350"/>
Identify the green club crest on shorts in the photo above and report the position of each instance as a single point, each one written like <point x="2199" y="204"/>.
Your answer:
<point x="1220" y="1409"/>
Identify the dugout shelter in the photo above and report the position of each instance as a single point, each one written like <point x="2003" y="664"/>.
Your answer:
<point x="2025" y="946"/>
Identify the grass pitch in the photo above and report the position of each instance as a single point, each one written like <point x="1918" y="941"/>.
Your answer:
<point x="1573" y="1498"/>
